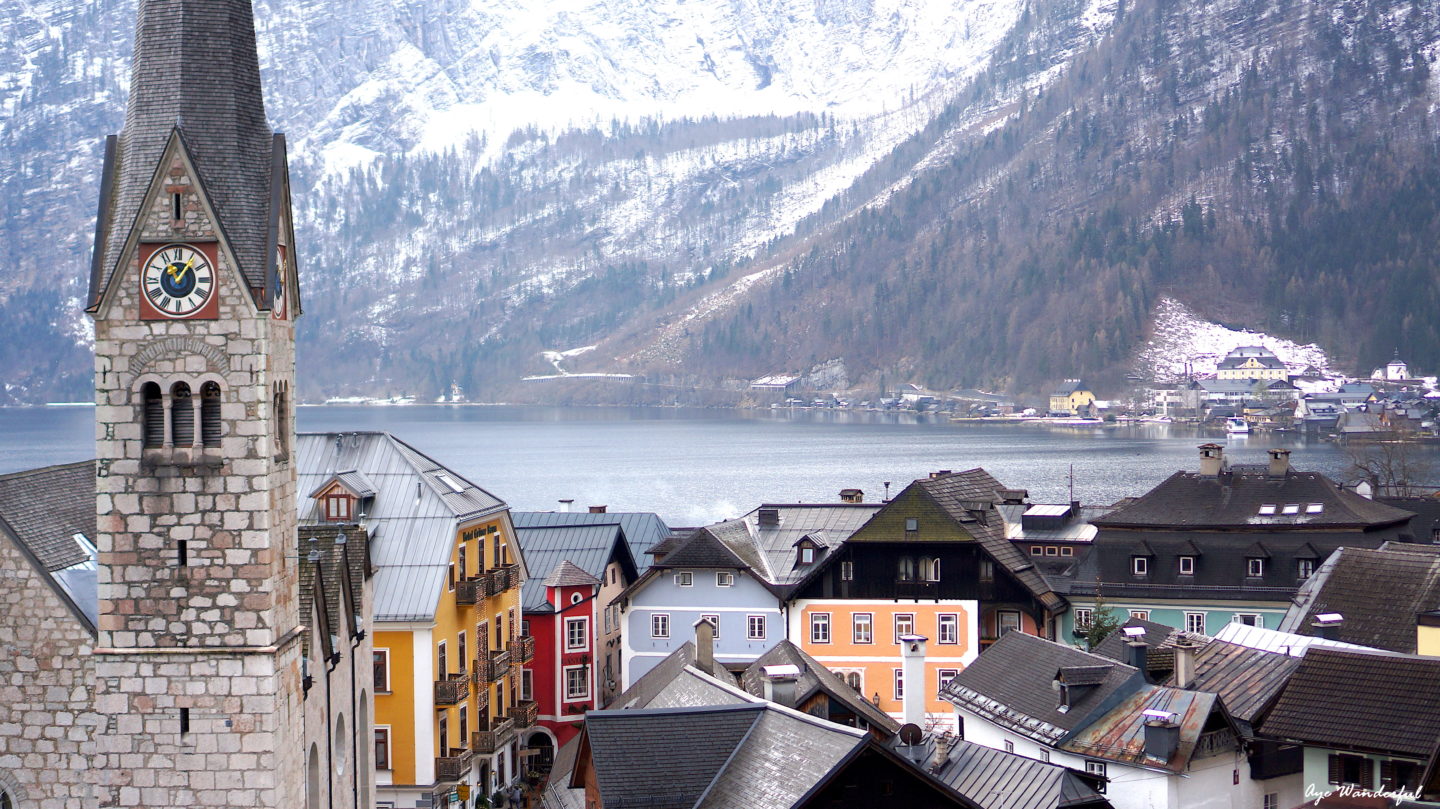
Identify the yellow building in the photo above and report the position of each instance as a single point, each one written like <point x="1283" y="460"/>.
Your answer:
<point x="1072" y="398"/>
<point x="1251" y="362"/>
<point x="450" y="696"/>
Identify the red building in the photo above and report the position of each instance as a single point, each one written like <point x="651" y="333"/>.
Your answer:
<point x="575" y="573"/>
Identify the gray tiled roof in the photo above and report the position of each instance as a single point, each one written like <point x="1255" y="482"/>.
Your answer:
<point x="643" y="530"/>
<point x="586" y="547"/>
<point x="412" y="519"/>
<point x="744" y="756"/>
<point x="1246" y="680"/>
<point x="664" y="759"/>
<point x="995" y="779"/>
<point x="814" y="676"/>
<point x="1360" y="701"/>
<point x="1010" y="684"/>
<point x="1188" y="500"/>
<point x="47" y="507"/>
<point x="1346" y="583"/>
<point x="196" y="70"/>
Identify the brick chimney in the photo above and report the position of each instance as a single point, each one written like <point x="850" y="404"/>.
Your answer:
<point x="943" y="743"/>
<point x="1212" y="460"/>
<point x="1279" y="462"/>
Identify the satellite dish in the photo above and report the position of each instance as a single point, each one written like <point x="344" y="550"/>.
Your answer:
<point x="911" y="734"/>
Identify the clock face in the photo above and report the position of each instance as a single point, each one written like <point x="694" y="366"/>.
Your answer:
<point x="278" y="298"/>
<point x="178" y="280"/>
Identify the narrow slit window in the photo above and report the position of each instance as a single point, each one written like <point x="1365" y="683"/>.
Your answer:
<point x="182" y="553"/>
<point x="184" y="720"/>
<point x="176" y="211"/>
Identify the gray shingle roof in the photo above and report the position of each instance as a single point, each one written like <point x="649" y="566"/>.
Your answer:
<point x="412" y="519"/>
<point x="814" y="676"/>
<point x="566" y="574"/>
<point x="47" y="507"/>
<point x="782" y="758"/>
<point x="995" y="779"/>
<point x="1246" y="680"/>
<point x="196" y="71"/>
<point x="1360" y="701"/>
<point x="643" y="530"/>
<point x="1346" y="583"/>
<point x="1188" y="500"/>
<point x="1010" y="684"/>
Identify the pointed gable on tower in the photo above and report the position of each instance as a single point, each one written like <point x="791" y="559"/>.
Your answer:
<point x="196" y="78"/>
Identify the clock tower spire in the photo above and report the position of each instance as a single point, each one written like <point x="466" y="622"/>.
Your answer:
<point x="193" y="290"/>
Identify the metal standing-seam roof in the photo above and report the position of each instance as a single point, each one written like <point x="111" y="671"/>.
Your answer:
<point x="412" y="519"/>
<point x="643" y="529"/>
<point x="587" y="548"/>
<point x="995" y="779"/>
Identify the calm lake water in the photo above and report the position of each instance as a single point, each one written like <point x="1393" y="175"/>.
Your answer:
<point x="697" y="466"/>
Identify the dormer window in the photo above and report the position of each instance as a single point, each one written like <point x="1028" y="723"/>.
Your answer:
<point x="1267" y="509"/>
<point x="1140" y="565"/>
<point x="929" y="569"/>
<point x="807" y="555"/>
<point x="1187" y="565"/>
<point x="1291" y="508"/>
<point x="1255" y="567"/>
<point x="338" y="506"/>
<point x="1315" y="508"/>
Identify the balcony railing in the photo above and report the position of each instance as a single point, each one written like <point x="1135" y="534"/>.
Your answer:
<point x="482" y="670"/>
<point x="452" y="767"/>
<point x="1216" y="742"/>
<point x="498" y="578"/>
<point x="493" y="738"/>
<point x="472" y="591"/>
<point x="499" y="664"/>
<point x="512" y="577"/>
<point x="526" y="649"/>
<point x="452" y="690"/>
<point x="523" y="713"/>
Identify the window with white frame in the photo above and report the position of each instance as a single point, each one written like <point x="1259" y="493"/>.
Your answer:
<point x="1083" y="617"/>
<point x="1249" y="619"/>
<point x="807" y="555"/>
<point x="527" y="684"/>
<point x="949" y="628"/>
<point x="685" y="578"/>
<point x="1093" y="767"/>
<point x="899" y="684"/>
<point x="1140" y="565"/>
<point x="1143" y="615"/>
<point x="1304" y="568"/>
<point x="1254" y="567"/>
<point x="577" y="683"/>
<point x="1045" y="754"/>
<point x="724" y="578"/>
<point x="714" y="621"/>
<point x="382" y="671"/>
<point x="382" y="748"/>
<point x="946" y="675"/>
<point x="1006" y="621"/>
<point x="904" y="624"/>
<point x="1271" y="801"/>
<point x="847" y="570"/>
<point x="819" y="627"/>
<point x="1009" y="746"/>
<point x="577" y="631"/>
<point x="1195" y="622"/>
<point x="660" y="625"/>
<point x="755" y="627"/>
<point x="862" y="627"/>
<point x="1187" y="565"/>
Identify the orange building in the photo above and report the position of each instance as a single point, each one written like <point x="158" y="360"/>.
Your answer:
<point x="934" y="562"/>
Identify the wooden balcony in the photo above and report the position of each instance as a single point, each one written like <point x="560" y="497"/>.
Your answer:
<point x="493" y="738"/>
<point x="498" y="578"/>
<point x="452" y="767"/>
<point x="452" y="690"/>
<point x="525" y="648"/>
<point x="469" y="592"/>
<point x="523" y="713"/>
<point x="499" y="664"/>
<point x="482" y="671"/>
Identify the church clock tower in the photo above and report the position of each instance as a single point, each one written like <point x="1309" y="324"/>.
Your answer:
<point x="194" y="293"/>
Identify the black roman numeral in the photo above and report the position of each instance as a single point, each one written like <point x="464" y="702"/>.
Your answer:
<point x="153" y="293"/>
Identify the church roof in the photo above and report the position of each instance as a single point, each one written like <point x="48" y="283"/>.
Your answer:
<point x="195" y="71"/>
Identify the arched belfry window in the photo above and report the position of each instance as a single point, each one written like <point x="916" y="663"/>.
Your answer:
<point x="5" y="802"/>
<point x="153" y="417"/>
<point x="210" y="414"/>
<point x="182" y="416"/>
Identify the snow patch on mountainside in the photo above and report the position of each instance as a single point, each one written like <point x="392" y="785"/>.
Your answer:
<point x="1183" y="343"/>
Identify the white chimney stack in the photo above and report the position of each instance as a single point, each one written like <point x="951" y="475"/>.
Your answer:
<point x="913" y="650"/>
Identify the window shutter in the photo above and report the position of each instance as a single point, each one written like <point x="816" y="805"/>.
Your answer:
<point x="182" y="416"/>
<point x="154" y="416"/>
<point x="1387" y="774"/>
<point x="210" y="415"/>
<point x="1367" y="774"/>
<point x="1335" y="770"/>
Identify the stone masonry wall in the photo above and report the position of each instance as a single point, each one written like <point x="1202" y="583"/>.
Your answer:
<point x="46" y="712"/>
